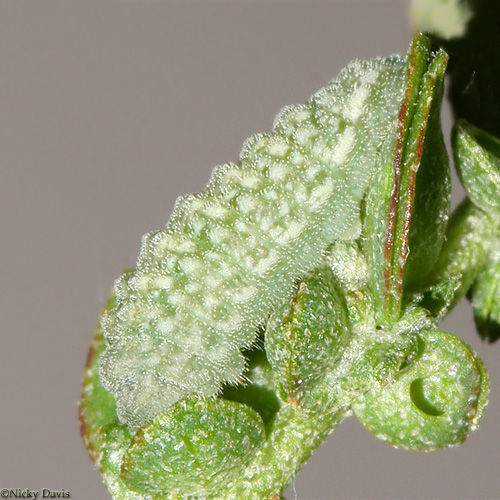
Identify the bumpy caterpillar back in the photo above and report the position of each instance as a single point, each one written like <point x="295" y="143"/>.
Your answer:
<point x="231" y="254"/>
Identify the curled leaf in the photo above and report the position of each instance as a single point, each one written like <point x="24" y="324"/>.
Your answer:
<point x="436" y="401"/>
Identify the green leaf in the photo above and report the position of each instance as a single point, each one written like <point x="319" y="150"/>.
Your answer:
<point x="437" y="400"/>
<point x="196" y="447"/>
<point x="387" y="225"/>
<point x="382" y="197"/>
<point x="432" y="220"/>
<point x="469" y="237"/>
<point x="485" y="296"/>
<point x="306" y="336"/>
<point x="431" y="204"/>
<point x="113" y="441"/>
<point x="477" y="159"/>
<point x="377" y="206"/>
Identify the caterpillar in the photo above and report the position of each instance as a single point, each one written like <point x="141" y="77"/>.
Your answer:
<point x="231" y="254"/>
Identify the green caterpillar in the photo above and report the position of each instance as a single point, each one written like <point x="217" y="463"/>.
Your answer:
<point x="230" y="255"/>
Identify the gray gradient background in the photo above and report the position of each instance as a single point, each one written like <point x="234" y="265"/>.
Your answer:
<point x="109" y="110"/>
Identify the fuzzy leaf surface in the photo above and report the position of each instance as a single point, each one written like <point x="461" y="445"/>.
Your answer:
<point x="194" y="448"/>
<point x="306" y="337"/>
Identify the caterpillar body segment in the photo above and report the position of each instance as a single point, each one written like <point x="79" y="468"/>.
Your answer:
<point x="231" y="254"/>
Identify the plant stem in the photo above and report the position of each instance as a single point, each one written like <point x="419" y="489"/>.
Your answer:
<point x="295" y="434"/>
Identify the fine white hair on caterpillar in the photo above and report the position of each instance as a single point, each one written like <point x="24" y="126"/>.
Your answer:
<point x="231" y="254"/>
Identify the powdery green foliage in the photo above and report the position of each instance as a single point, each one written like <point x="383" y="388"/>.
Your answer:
<point x="306" y="282"/>
<point x="231" y="254"/>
